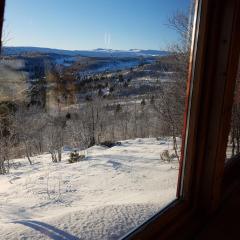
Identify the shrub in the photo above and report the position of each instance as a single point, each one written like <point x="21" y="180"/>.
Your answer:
<point x="164" y="156"/>
<point x="173" y="156"/>
<point x="143" y="102"/>
<point x="110" y="144"/>
<point x="152" y="100"/>
<point x="75" y="157"/>
<point x="118" y="107"/>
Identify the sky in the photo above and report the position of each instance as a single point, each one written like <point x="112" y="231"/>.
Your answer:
<point x="91" y="24"/>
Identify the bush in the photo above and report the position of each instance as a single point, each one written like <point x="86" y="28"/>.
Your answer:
<point x="110" y="144"/>
<point x="143" y="102"/>
<point x="152" y="100"/>
<point x="118" y="108"/>
<point x="164" y="156"/>
<point x="173" y="156"/>
<point x="75" y="157"/>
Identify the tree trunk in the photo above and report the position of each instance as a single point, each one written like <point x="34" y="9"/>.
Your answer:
<point x="27" y="153"/>
<point x="175" y="147"/>
<point x="60" y="155"/>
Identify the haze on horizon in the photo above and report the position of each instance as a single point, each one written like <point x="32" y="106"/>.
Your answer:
<point x="91" y="24"/>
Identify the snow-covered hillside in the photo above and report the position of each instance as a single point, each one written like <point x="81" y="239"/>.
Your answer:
<point x="100" y="52"/>
<point x="105" y="196"/>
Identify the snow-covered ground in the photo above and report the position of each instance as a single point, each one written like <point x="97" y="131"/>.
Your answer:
<point x="105" y="196"/>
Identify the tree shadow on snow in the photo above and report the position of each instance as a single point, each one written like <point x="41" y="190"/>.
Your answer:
<point x="50" y="231"/>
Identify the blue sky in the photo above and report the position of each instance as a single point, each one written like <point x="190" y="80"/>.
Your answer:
<point x="90" y="24"/>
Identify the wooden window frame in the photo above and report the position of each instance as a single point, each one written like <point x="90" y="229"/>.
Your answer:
<point x="2" y="7"/>
<point x="210" y="87"/>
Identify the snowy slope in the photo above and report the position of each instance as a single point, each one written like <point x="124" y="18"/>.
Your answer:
<point x="103" y="197"/>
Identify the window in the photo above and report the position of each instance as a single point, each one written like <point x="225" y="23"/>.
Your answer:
<point x="233" y="147"/>
<point x="213" y="55"/>
<point x="91" y="137"/>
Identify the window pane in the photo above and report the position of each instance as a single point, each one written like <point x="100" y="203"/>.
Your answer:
<point x="233" y="147"/>
<point x="91" y="115"/>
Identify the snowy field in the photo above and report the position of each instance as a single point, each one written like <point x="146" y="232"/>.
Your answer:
<point x="105" y="196"/>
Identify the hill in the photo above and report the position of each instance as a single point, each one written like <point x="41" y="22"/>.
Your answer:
<point x="99" y="52"/>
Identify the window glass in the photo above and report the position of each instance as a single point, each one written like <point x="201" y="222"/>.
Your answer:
<point x="233" y="147"/>
<point x="92" y="99"/>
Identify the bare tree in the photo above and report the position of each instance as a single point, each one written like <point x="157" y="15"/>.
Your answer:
<point x="54" y="136"/>
<point x="28" y="124"/>
<point x="6" y="144"/>
<point x="170" y="101"/>
<point x="7" y="138"/>
<point x="77" y="129"/>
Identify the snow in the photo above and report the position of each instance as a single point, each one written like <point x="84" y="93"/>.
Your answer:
<point x="110" y="193"/>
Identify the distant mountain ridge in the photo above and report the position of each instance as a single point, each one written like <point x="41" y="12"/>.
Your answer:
<point x="99" y="52"/>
